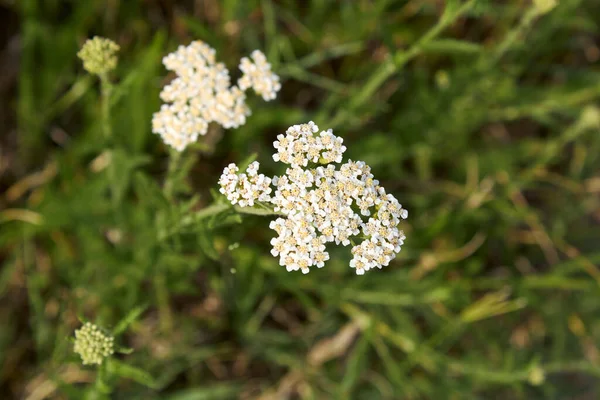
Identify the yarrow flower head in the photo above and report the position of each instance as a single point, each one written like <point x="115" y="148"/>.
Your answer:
<point x="202" y="93"/>
<point x="99" y="55"/>
<point x="245" y="189"/>
<point x="321" y="203"/>
<point x="92" y="344"/>
<point x="258" y="76"/>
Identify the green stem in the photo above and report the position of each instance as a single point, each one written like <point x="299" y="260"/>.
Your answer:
<point x="393" y="64"/>
<point x="106" y="90"/>
<point x="174" y="162"/>
<point x="547" y="106"/>
<point x="212" y="210"/>
<point x="215" y="209"/>
<point x="105" y="93"/>
<point x="162" y="298"/>
<point x="101" y="388"/>
<point x="530" y="15"/>
<point x="160" y="286"/>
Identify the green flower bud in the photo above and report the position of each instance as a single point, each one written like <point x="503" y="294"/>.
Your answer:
<point x="92" y="344"/>
<point x="99" y="55"/>
<point x="536" y="376"/>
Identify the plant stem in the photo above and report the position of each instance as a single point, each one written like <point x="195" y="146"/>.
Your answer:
<point x="174" y="162"/>
<point x="215" y="209"/>
<point x="106" y="90"/>
<point x="105" y="93"/>
<point x="392" y="64"/>
<point x="162" y="298"/>
<point x="528" y="18"/>
<point x="101" y="389"/>
<point x="160" y="286"/>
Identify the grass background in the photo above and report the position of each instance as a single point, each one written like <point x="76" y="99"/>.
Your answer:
<point x="480" y="116"/>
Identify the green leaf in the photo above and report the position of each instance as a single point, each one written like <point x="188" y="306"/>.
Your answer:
<point x="148" y="191"/>
<point x="206" y="243"/>
<point x="200" y="29"/>
<point x="205" y="213"/>
<point x="356" y="363"/>
<point x="145" y="68"/>
<point x="128" y="320"/>
<point x="79" y="88"/>
<point x="118" y="368"/>
<point x="124" y="350"/>
<point x="229" y="219"/>
<point x="256" y="210"/>
<point x="247" y="161"/>
<point x="452" y="46"/>
<point x="214" y="392"/>
<point x="6" y="275"/>
<point x="124" y="165"/>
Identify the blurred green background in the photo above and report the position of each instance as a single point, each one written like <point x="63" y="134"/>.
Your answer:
<point x="481" y="117"/>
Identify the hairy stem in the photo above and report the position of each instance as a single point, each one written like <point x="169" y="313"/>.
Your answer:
<point x="105" y="93"/>
<point x="106" y="90"/>
<point x="174" y="162"/>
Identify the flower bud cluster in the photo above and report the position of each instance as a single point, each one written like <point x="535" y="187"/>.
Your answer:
<point x="323" y="203"/>
<point x="202" y="93"/>
<point x="245" y="189"/>
<point x="99" y="55"/>
<point x="92" y="344"/>
<point x="301" y="145"/>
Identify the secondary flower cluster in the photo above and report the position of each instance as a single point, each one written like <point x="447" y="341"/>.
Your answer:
<point x="202" y="93"/>
<point x="321" y="202"/>
<point x="258" y="76"/>
<point x="92" y="344"/>
<point x="245" y="189"/>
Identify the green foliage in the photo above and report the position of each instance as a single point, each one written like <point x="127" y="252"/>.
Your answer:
<point x="480" y="116"/>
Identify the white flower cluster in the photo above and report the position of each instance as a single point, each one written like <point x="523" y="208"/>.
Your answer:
<point x="245" y="189"/>
<point x="321" y="203"/>
<point x="258" y="76"/>
<point x="202" y="93"/>
<point x="92" y="344"/>
<point x="300" y="145"/>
